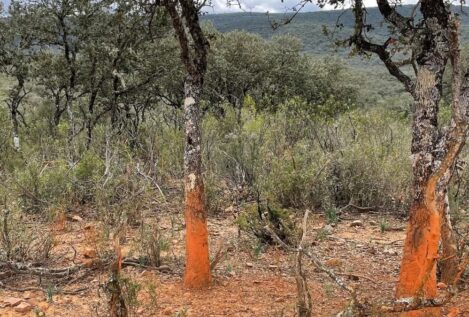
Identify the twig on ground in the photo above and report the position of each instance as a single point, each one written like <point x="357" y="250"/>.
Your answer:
<point x="136" y="263"/>
<point x="33" y="289"/>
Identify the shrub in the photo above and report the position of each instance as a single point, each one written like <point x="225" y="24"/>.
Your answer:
<point x="43" y="184"/>
<point x="88" y="171"/>
<point x="255" y="218"/>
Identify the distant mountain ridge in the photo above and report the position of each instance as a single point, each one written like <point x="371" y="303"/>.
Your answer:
<point x="309" y="26"/>
<point x="378" y="86"/>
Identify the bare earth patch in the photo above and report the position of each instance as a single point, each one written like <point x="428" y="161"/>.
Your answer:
<point x="250" y="280"/>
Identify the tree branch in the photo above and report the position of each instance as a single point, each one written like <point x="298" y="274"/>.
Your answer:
<point x="363" y="45"/>
<point x="403" y="24"/>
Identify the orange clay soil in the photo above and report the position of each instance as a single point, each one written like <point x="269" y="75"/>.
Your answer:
<point x="250" y="281"/>
<point x="197" y="273"/>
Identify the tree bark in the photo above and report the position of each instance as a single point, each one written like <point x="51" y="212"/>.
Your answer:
<point x="197" y="273"/>
<point x="194" y="49"/>
<point x="417" y="280"/>
<point x="435" y="154"/>
<point x="449" y="262"/>
<point x="16" y="96"/>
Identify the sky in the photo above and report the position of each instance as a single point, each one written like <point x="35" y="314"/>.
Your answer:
<point x="273" y="6"/>
<point x="276" y="6"/>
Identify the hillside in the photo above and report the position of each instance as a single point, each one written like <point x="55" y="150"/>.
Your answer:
<point x="308" y="26"/>
<point x="379" y="86"/>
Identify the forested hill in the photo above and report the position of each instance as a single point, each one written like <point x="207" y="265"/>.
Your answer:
<point x="308" y="26"/>
<point x="378" y="87"/>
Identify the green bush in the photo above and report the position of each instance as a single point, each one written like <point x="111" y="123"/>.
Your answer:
<point x="297" y="159"/>
<point x="256" y="218"/>
<point x="87" y="173"/>
<point x="39" y="185"/>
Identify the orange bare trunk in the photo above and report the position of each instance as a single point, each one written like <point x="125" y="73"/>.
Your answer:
<point x="417" y="280"/>
<point x="418" y="268"/>
<point x="197" y="274"/>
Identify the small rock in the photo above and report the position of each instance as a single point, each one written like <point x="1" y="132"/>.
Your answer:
<point x="373" y="223"/>
<point x="164" y="268"/>
<point x="339" y="242"/>
<point x="89" y="263"/>
<point x="167" y="311"/>
<point x="89" y="253"/>
<point x="230" y="209"/>
<point x="249" y="264"/>
<point x="328" y="229"/>
<point x="24" y="307"/>
<point x="356" y="223"/>
<point x="12" y="301"/>
<point x="334" y="262"/>
<point x="27" y="295"/>
<point x="88" y="227"/>
<point x="43" y="306"/>
<point x="77" y="218"/>
<point x="441" y="286"/>
<point x="232" y="273"/>
<point x="273" y="266"/>
<point x="390" y="252"/>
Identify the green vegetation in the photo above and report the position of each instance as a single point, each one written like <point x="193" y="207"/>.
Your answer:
<point x="284" y="129"/>
<point x="319" y="35"/>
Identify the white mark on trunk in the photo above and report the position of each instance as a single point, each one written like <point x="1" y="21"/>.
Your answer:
<point x="192" y="179"/>
<point x="16" y="142"/>
<point x="189" y="101"/>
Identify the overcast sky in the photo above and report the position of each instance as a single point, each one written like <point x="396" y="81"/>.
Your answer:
<point x="219" y="6"/>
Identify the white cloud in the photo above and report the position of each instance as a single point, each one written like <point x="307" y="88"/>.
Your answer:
<point x="275" y="6"/>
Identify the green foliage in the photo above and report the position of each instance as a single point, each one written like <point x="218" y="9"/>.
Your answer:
<point x="297" y="159"/>
<point x="87" y="173"/>
<point x="255" y="218"/>
<point x="383" y="225"/>
<point x="40" y="185"/>
<point x="331" y="215"/>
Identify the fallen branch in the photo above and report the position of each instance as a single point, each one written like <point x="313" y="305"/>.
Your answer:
<point x="316" y="262"/>
<point x="358" y="208"/>
<point x="44" y="290"/>
<point x="358" y="276"/>
<point x="27" y="268"/>
<point x="136" y="263"/>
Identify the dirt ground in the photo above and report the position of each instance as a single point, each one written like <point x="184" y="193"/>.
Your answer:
<point x="250" y="280"/>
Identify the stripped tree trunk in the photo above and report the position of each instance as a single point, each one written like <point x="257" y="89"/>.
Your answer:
<point x="197" y="272"/>
<point x="423" y="233"/>
<point x="432" y="41"/>
<point x="194" y="48"/>
<point x="435" y="154"/>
